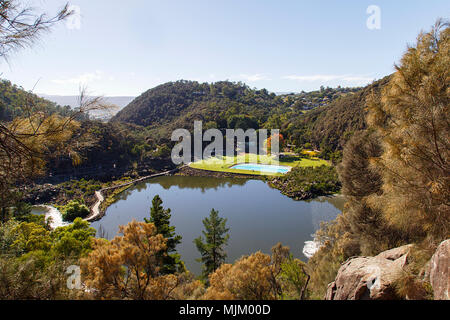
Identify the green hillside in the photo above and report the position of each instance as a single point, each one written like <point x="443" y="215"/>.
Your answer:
<point x="14" y="100"/>
<point x="302" y="117"/>
<point x="330" y="127"/>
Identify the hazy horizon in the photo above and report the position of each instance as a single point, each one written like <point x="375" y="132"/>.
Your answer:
<point x="288" y="46"/>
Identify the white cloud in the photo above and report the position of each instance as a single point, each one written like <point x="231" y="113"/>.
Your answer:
<point x="329" y="77"/>
<point x="81" y="79"/>
<point x="253" y="77"/>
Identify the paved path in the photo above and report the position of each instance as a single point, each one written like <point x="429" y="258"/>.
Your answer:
<point x="95" y="211"/>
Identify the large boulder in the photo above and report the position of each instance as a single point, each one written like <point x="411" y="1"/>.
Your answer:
<point x="440" y="271"/>
<point x="369" y="278"/>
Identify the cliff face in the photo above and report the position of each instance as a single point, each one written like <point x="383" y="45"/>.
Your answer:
<point x="373" y="278"/>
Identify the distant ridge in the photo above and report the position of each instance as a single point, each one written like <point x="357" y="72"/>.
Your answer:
<point x="120" y="101"/>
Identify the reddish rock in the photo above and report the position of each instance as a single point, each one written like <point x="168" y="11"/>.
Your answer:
<point x="369" y="278"/>
<point x="440" y="271"/>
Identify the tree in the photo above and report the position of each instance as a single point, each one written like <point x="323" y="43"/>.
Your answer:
<point x="412" y="117"/>
<point x="129" y="266"/>
<point x="259" y="277"/>
<point x="160" y="217"/>
<point x="31" y="237"/>
<point x="212" y="248"/>
<point x="25" y="279"/>
<point x="73" y="240"/>
<point x="20" y="26"/>
<point x="281" y="142"/>
<point x="30" y="139"/>
<point x="74" y="209"/>
<point x="395" y="175"/>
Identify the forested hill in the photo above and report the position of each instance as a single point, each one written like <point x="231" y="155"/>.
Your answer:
<point x="209" y="102"/>
<point x="221" y="105"/>
<point x="326" y="118"/>
<point x="330" y="127"/>
<point x="13" y="99"/>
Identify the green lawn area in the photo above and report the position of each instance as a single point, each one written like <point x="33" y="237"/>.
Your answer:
<point x="223" y="165"/>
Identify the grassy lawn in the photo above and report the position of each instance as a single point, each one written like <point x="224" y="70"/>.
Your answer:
<point x="223" y="165"/>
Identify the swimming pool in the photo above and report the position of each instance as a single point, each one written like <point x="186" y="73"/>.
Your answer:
<point x="262" y="168"/>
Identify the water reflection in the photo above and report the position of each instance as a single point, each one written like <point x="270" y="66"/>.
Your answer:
<point x="258" y="216"/>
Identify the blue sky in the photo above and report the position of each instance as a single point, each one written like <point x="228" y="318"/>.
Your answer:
<point x="126" y="47"/>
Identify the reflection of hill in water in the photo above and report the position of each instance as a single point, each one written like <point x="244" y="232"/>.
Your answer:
<point x="183" y="182"/>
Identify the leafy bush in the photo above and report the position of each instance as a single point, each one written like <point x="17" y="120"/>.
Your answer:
<point x="73" y="210"/>
<point x="302" y="181"/>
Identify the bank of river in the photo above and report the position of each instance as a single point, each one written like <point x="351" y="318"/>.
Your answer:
<point x="258" y="215"/>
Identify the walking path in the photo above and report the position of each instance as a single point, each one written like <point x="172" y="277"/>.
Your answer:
<point x="95" y="211"/>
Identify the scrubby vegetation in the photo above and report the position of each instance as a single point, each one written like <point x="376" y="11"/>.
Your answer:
<point x="308" y="182"/>
<point x="34" y="259"/>
<point x="395" y="174"/>
<point x="74" y="209"/>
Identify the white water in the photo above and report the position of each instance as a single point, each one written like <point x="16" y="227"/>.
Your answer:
<point x="55" y="215"/>
<point x="310" y="248"/>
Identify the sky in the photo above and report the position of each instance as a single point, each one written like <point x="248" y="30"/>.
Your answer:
<point x="123" y="48"/>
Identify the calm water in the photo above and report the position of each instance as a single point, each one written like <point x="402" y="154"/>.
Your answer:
<point x="262" y="167"/>
<point x="258" y="216"/>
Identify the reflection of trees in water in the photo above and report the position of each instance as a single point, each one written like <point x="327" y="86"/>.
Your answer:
<point x="124" y="194"/>
<point x="183" y="182"/>
<point x="139" y="187"/>
<point x="203" y="183"/>
<point x="338" y="201"/>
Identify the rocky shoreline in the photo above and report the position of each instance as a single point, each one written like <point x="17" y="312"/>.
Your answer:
<point x="297" y="195"/>
<point x="49" y="194"/>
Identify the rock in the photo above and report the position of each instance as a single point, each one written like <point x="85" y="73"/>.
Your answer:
<point x="440" y="271"/>
<point x="369" y="278"/>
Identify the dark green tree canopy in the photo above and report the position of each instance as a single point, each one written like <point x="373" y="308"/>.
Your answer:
<point x="160" y="217"/>
<point x="212" y="247"/>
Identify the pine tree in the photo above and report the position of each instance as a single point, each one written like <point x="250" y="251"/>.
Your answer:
<point x="412" y="118"/>
<point x="160" y="217"/>
<point x="212" y="249"/>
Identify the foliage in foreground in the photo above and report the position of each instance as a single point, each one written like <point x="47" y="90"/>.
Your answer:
<point x="396" y="175"/>
<point x="130" y="267"/>
<point x="160" y="217"/>
<point x="259" y="277"/>
<point x="34" y="259"/>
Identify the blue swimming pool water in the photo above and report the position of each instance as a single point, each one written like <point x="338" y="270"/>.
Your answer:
<point x="261" y="167"/>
